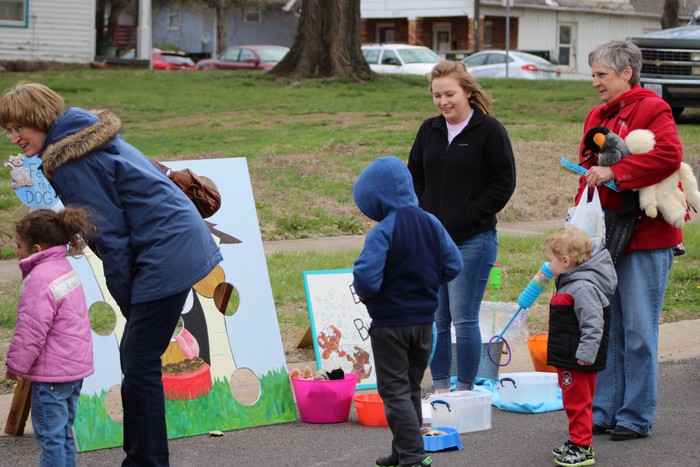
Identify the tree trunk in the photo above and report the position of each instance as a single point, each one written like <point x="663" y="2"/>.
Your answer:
<point x="669" y="18"/>
<point x="327" y="42"/>
<point x="221" y="30"/>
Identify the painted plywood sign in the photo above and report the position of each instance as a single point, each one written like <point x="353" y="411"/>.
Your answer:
<point x="339" y="325"/>
<point x="221" y="371"/>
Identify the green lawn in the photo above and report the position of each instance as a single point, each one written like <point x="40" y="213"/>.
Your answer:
<point x="307" y="140"/>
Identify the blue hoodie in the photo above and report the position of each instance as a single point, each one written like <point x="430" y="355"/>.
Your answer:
<point x="407" y="255"/>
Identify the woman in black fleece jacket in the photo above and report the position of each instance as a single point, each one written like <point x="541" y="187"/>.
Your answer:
<point x="463" y="172"/>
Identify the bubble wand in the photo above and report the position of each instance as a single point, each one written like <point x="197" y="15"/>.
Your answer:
<point x="496" y="284"/>
<point x="525" y="300"/>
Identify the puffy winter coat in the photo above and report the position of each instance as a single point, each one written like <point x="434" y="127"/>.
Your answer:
<point x="52" y="341"/>
<point x="152" y="241"/>
<point x="579" y="315"/>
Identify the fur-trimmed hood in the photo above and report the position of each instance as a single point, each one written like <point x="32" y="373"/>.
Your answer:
<point x="76" y="133"/>
<point x="150" y="237"/>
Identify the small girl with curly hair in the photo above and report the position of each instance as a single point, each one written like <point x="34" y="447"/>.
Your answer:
<point x="52" y="342"/>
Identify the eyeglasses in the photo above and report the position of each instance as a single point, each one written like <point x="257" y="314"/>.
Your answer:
<point x="15" y="131"/>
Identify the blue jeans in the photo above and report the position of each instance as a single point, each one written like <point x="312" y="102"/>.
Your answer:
<point x="459" y="302"/>
<point x="53" y="413"/>
<point x="146" y="336"/>
<point x="626" y="391"/>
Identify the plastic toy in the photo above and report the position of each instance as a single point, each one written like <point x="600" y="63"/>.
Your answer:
<point x="526" y="299"/>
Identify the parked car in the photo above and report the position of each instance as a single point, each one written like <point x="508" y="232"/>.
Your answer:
<point x="165" y="59"/>
<point x="246" y="57"/>
<point x="492" y="64"/>
<point x="670" y="64"/>
<point x="171" y="60"/>
<point x="400" y="58"/>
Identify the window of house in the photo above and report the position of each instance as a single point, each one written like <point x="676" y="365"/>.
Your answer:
<point x="442" y="36"/>
<point x="252" y="15"/>
<point x="487" y="28"/>
<point x="175" y="17"/>
<point x="13" y="12"/>
<point x="565" y="44"/>
<point x="385" y="33"/>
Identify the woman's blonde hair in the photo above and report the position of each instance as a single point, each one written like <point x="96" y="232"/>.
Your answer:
<point x="32" y="105"/>
<point x="570" y="241"/>
<point x="479" y="97"/>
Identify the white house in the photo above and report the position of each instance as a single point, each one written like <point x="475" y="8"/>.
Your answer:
<point x="48" y="30"/>
<point x="565" y="30"/>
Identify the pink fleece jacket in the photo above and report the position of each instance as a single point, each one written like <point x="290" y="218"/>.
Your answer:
<point x="53" y="339"/>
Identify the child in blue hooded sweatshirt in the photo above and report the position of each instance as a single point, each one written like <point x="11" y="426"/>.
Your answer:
<point x="404" y="260"/>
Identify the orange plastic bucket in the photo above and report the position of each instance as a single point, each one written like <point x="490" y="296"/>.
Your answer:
<point x="370" y="410"/>
<point x="538" y="352"/>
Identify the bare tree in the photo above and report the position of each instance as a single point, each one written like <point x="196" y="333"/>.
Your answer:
<point x="669" y="18"/>
<point x="327" y="42"/>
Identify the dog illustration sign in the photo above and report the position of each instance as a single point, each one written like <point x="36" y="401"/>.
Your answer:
<point x="339" y="325"/>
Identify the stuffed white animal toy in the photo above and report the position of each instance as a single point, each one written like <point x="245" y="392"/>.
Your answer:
<point x="666" y="197"/>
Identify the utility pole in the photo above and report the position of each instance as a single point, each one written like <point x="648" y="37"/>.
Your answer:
<point x="144" y="39"/>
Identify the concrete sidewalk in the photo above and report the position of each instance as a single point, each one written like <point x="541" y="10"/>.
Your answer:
<point x="355" y="242"/>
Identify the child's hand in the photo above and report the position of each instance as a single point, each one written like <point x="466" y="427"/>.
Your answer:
<point x="13" y="376"/>
<point x="582" y="363"/>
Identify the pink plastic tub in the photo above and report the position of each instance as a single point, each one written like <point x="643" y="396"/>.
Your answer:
<point x="326" y="401"/>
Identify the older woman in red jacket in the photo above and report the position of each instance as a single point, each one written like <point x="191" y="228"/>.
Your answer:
<point x="626" y="392"/>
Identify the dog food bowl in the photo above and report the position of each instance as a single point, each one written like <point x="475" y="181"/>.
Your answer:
<point x="450" y="440"/>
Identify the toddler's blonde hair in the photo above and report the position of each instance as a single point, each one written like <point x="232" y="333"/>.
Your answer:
<point x="570" y="241"/>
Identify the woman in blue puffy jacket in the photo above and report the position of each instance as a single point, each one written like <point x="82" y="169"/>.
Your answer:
<point x="153" y="243"/>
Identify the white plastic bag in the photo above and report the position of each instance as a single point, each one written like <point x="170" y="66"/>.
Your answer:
<point x="588" y="215"/>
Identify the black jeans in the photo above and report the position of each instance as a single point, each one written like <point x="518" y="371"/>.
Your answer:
<point x="400" y="358"/>
<point x="146" y="336"/>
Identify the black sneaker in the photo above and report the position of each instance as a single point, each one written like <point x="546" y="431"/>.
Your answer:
<point x="621" y="433"/>
<point x="576" y="456"/>
<point x="388" y="461"/>
<point x="558" y="451"/>
<point x="599" y="430"/>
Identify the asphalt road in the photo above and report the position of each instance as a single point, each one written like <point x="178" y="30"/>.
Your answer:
<point x="513" y="440"/>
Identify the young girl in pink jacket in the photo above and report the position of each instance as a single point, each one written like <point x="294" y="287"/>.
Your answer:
<point x="52" y="343"/>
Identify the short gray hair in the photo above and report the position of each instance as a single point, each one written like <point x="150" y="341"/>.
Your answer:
<point x="617" y="55"/>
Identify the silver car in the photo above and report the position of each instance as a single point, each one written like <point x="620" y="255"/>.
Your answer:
<point x="492" y="64"/>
